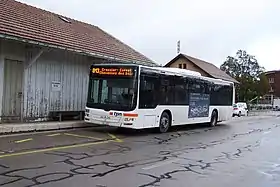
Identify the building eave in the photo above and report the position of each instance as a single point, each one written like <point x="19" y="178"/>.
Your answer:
<point x="173" y="60"/>
<point x="272" y="72"/>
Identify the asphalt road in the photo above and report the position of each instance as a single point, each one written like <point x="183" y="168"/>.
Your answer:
<point x="243" y="152"/>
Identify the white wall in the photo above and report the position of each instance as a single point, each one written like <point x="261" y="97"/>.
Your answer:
<point x="68" y="69"/>
<point x="13" y="51"/>
<point x="1" y="77"/>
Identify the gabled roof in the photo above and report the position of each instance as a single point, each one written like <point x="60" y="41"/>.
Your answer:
<point x="207" y="67"/>
<point x="24" y="22"/>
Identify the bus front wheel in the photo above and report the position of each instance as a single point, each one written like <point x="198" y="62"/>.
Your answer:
<point x="214" y="119"/>
<point x="165" y="122"/>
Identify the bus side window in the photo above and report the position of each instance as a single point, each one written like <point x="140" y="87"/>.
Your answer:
<point x="148" y="91"/>
<point x="221" y="95"/>
<point x="194" y="86"/>
<point x="180" y="91"/>
<point x="166" y="95"/>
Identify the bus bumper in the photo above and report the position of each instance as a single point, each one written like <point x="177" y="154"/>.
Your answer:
<point x="105" y="119"/>
<point x="102" y="123"/>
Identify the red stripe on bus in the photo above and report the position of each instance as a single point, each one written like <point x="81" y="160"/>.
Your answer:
<point x="130" y="115"/>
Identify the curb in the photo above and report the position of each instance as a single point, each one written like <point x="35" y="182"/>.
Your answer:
<point x="33" y="127"/>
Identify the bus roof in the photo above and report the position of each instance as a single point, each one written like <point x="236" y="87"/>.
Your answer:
<point x="178" y="71"/>
<point x="173" y="71"/>
<point x="186" y="73"/>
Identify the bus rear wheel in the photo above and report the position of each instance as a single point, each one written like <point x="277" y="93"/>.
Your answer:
<point x="214" y="119"/>
<point x="165" y="122"/>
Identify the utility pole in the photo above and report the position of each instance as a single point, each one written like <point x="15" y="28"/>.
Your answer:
<point x="178" y="46"/>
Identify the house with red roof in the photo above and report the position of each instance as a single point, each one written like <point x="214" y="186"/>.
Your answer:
<point x="45" y="60"/>
<point x="206" y="69"/>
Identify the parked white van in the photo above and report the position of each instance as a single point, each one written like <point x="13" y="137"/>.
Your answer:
<point x="240" y="109"/>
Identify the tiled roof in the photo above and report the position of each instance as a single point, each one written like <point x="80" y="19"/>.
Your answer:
<point x="207" y="67"/>
<point x="37" y="25"/>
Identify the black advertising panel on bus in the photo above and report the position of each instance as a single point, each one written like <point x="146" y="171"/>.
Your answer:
<point x="119" y="71"/>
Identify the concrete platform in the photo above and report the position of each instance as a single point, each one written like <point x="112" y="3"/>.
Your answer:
<point x="264" y="113"/>
<point x="6" y="128"/>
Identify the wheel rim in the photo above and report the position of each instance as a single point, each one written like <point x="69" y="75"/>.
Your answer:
<point x="164" y="123"/>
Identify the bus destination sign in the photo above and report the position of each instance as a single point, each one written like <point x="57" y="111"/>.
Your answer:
<point x="113" y="71"/>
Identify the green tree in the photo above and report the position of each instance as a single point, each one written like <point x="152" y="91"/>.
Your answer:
<point x="246" y="69"/>
<point x="263" y="85"/>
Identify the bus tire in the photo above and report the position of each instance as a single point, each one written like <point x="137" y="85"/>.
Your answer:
<point x="214" y="119"/>
<point x="164" y="123"/>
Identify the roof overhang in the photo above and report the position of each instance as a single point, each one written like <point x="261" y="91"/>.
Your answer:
<point x="85" y="53"/>
<point x="271" y="72"/>
<point x="174" y="59"/>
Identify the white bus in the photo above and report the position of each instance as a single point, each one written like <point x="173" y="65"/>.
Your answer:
<point x="136" y="96"/>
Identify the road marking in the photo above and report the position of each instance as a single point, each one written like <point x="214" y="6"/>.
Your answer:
<point x="43" y="132"/>
<point x="52" y="135"/>
<point x="54" y="149"/>
<point x="267" y="132"/>
<point x="115" y="138"/>
<point x="82" y="136"/>
<point x="266" y="174"/>
<point x="24" y="140"/>
<point x="160" y="164"/>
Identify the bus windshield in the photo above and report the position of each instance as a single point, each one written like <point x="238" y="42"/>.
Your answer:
<point x="110" y="92"/>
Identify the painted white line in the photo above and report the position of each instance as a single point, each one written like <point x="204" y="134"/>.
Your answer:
<point x="25" y="140"/>
<point x="268" y="175"/>
<point x="267" y="132"/>
<point x="161" y="164"/>
<point x="52" y="135"/>
<point x="44" y="132"/>
<point x="82" y="136"/>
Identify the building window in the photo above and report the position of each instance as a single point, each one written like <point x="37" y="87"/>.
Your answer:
<point x="271" y="90"/>
<point x="184" y="66"/>
<point x="180" y="65"/>
<point x="271" y="80"/>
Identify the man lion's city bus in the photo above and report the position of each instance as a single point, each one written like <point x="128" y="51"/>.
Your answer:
<point x="137" y="97"/>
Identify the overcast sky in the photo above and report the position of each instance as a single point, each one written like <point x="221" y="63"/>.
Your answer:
<point x="210" y="30"/>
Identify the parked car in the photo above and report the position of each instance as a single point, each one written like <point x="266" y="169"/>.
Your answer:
<point x="276" y="104"/>
<point x="240" y="109"/>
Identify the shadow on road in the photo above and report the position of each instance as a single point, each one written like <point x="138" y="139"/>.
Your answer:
<point x="144" y="132"/>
